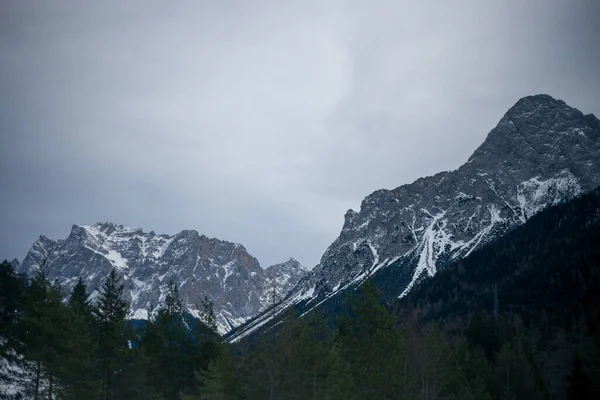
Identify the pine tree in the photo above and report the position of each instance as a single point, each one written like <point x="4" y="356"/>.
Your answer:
<point x="372" y="345"/>
<point x="296" y="369"/>
<point x="207" y="315"/>
<point x="41" y="331"/>
<point x="78" y="361"/>
<point x="220" y="382"/>
<point x="338" y="382"/>
<point x="114" y="335"/>
<point x="513" y="375"/>
<point x="78" y="300"/>
<point x="206" y="336"/>
<point x="482" y="331"/>
<point x="168" y="343"/>
<point x="12" y="297"/>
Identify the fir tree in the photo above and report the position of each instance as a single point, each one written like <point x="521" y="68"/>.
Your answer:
<point x="167" y="342"/>
<point x="372" y="345"/>
<point x="41" y="331"/>
<point x="206" y="336"/>
<point x="12" y="298"/>
<point x="220" y="382"/>
<point x="114" y="335"/>
<point x="78" y="361"/>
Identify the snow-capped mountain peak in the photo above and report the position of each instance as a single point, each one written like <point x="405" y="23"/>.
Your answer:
<point x="542" y="152"/>
<point x="202" y="266"/>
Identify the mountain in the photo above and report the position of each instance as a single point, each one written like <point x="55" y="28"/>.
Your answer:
<point x="544" y="274"/>
<point x="551" y="262"/>
<point x="542" y="152"/>
<point x="223" y="271"/>
<point x="279" y="279"/>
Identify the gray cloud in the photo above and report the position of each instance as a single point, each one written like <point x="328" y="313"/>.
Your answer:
<point x="261" y="122"/>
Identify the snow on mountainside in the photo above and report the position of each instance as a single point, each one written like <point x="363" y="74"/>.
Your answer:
<point x="17" y="376"/>
<point x="542" y="152"/>
<point x="223" y="271"/>
<point x="279" y="279"/>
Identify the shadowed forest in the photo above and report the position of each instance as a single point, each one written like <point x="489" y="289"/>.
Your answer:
<point x="518" y="319"/>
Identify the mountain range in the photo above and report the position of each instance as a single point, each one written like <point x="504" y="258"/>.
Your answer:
<point x="542" y="152"/>
<point x="234" y="280"/>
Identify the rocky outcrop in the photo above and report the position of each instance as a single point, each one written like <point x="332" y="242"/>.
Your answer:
<point x="201" y="266"/>
<point x="542" y="152"/>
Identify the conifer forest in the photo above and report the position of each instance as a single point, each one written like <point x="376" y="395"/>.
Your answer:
<point x="518" y="319"/>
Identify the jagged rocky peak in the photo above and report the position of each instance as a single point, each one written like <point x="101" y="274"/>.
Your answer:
<point x="349" y="217"/>
<point x="538" y="128"/>
<point x="291" y="265"/>
<point x="281" y="278"/>
<point x="222" y="270"/>
<point x="541" y="152"/>
<point x="553" y="110"/>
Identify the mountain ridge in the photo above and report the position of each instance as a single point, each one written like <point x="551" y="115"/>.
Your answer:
<point x="223" y="271"/>
<point x="541" y="152"/>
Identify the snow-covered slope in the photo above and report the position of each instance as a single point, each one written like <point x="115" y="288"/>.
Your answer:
<point x="221" y="270"/>
<point x="279" y="279"/>
<point x="17" y="376"/>
<point x="541" y="152"/>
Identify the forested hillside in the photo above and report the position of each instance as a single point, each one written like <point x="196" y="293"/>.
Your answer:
<point x="537" y="287"/>
<point x="517" y="319"/>
<point x="51" y="349"/>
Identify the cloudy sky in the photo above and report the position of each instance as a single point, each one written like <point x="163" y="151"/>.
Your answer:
<point x="261" y="122"/>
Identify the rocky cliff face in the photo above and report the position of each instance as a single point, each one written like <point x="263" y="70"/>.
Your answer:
<point x="279" y="279"/>
<point x="542" y="152"/>
<point x="221" y="270"/>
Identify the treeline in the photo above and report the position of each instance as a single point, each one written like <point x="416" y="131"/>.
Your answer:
<point x="78" y="350"/>
<point x="518" y="319"/>
<point x="539" y="283"/>
<point x="56" y="349"/>
<point x="370" y="354"/>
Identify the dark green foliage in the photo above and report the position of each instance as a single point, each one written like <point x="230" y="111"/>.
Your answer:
<point x="583" y="380"/>
<point x="504" y="323"/>
<point x="221" y="381"/>
<point x="114" y="334"/>
<point x="372" y="346"/>
<point x="41" y="332"/>
<point x="302" y="360"/>
<point x="518" y="319"/>
<point x="12" y="300"/>
<point x="205" y="336"/>
<point x="180" y="350"/>
<point x="482" y="332"/>
<point x="78" y="350"/>
<point x="78" y="300"/>
<point x="77" y="362"/>
<point x="526" y="301"/>
<point x="550" y="263"/>
<point x="167" y="343"/>
<point x="12" y="296"/>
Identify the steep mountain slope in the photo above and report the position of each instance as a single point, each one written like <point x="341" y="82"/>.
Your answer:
<point x="542" y="277"/>
<point x="542" y="152"/>
<point x="279" y="279"/>
<point x="551" y="262"/>
<point x="223" y="271"/>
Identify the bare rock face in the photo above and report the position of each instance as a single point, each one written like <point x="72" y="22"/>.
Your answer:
<point x="223" y="271"/>
<point x="279" y="279"/>
<point x="542" y="152"/>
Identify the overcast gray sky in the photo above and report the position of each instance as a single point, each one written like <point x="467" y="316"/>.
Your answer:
<point x="261" y="122"/>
